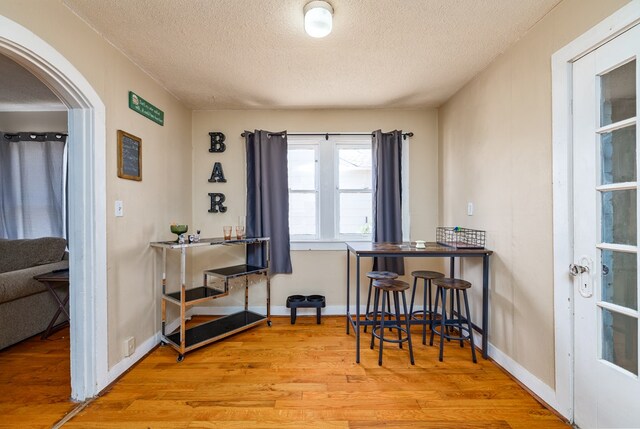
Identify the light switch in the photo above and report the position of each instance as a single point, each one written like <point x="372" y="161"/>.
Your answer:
<point x="469" y="209"/>
<point x="119" y="209"/>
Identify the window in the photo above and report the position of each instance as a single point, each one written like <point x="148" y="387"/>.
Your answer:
<point x="330" y="188"/>
<point x="34" y="173"/>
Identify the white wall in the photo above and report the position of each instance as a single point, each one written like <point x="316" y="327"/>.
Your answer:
<point x="33" y="121"/>
<point x="495" y="145"/>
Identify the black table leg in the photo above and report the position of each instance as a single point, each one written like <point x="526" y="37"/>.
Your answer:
<point x="61" y="308"/>
<point x="485" y="306"/>
<point x="452" y="267"/>
<point x="357" y="309"/>
<point x="348" y="286"/>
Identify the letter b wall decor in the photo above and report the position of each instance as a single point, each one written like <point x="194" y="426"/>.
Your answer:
<point x="217" y="142"/>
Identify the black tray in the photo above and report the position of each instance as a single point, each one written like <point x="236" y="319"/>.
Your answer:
<point x="196" y="293"/>
<point x="223" y="326"/>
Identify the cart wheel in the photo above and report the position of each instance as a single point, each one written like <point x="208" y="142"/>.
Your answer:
<point x="163" y="343"/>
<point x="268" y="322"/>
<point x="180" y="358"/>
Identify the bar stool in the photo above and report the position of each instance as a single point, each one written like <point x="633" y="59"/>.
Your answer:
<point x="387" y="287"/>
<point x="457" y="285"/>
<point x="427" y="308"/>
<point x="376" y="275"/>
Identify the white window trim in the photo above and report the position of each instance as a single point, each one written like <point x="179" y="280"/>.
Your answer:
<point x="336" y="202"/>
<point x="322" y="244"/>
<point x="306" y="144"/>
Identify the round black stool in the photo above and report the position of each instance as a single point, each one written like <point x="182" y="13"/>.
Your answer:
<point x="465" y="332"/>
<point x="388" y="287"/>
<point x="427" y="308"/>
<point x="376" y="275"/>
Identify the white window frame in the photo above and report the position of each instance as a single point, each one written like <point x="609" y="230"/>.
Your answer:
<point x="348" y="144"/>
<point x="316" y="148"/>
<point x="328" y="195"/>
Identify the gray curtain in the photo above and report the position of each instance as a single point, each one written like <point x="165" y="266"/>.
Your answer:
<point x="32" y="180"/>
<point x="387" y="195"/>
<point x="268" y="198"/>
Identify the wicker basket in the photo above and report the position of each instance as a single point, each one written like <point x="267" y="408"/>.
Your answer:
<point x="460" y="238"/>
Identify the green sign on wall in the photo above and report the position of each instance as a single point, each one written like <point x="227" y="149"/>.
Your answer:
<point x="145" y="108"/>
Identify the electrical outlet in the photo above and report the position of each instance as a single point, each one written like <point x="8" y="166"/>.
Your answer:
<point x="129" y="346"/>
<point x="469" y="209"/>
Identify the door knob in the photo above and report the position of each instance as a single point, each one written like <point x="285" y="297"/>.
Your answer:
<point x="575" y="269"/>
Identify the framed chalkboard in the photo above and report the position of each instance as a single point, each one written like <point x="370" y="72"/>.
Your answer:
<point x="129" y="156"/>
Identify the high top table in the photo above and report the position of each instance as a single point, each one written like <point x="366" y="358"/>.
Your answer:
<point x="365" y="249"/>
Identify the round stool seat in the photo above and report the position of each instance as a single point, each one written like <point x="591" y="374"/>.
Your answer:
<point x="427" y="275"/>
<point x="379" y="275"/>
<point x="391" y="285"/>
<point x="452" y="283"/>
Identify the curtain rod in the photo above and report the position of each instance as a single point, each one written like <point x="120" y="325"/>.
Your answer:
<point x="326" y="135"/>
<point x="27" y="136"/>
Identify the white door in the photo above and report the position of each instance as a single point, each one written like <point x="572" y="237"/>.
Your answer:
<point x="605" y="171"/>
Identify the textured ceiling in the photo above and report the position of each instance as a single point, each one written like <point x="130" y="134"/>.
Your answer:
<point x="240" y="54"/>
<point x="20" y="90"/>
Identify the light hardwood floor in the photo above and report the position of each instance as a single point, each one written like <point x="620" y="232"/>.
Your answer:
<point x="34" y="382"/>
<point x="300" y="376"/>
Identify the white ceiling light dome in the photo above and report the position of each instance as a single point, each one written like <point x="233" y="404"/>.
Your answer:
<point x="318" y="18"/>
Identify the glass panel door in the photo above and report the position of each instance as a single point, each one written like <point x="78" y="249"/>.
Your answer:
<point x="618" y="294"/>
<point x="605" y="237"/>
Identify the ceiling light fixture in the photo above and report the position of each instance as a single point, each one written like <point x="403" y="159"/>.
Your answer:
<point x="318" y="17"/>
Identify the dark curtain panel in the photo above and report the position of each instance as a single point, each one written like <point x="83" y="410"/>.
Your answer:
<point x="268" y="198"/>
<point x="387" y="195"/>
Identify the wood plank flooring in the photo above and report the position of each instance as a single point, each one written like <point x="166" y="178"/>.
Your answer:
<point x="305" y="376"/>
<point x="35" y="387"/>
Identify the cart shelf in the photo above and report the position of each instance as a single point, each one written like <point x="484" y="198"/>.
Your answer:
<point x="235" y="271"/>
<point x="183" y="339"/>
<point x="217" y="329"/>
<point x="196" y="295"/>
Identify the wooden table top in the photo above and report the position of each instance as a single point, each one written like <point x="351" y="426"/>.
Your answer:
<point x="410" y="249"/>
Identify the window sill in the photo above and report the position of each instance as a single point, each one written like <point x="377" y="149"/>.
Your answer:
<point x="338" y="245"/>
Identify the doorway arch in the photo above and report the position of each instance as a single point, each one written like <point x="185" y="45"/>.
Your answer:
<point x="87" y="204"/>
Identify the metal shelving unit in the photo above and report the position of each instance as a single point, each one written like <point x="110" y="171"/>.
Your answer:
<point x="185" y="340"/>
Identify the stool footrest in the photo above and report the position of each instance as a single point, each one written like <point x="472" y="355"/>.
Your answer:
<point x="404" y="339"/>
<point x="436" y="330"/>
<point x="420" y="314"/>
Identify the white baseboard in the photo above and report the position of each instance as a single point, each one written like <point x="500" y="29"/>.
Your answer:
<point x="121" y="367"/>
<point x="533" y="383"/>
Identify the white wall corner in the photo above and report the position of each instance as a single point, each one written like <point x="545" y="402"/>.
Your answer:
<point x="533" y="383"/>
<point x="121" y="367"/>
